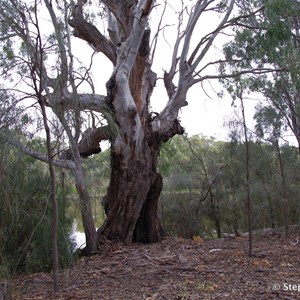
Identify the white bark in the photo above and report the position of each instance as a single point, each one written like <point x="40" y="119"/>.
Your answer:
<point x="210" y="40"/>
<point x="114" y="30"/>
<point x="193" y="19"/>
<point x="125" y="106"/>
<point x="187" y="63"/>
<point x="82" y="102"/>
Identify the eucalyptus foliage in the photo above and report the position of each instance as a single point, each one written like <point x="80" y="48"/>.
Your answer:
<point x="270" y="38"/>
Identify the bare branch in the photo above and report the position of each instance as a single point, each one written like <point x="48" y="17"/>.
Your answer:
<point x="61" y="45"/>
<point x="155" y="38"/>
<point x="194" y="17"/>
<point x="186" y="69"/>
<point x="115" y="29"/>
<point x="256" y="71"/>
<point x="211" y="39"/>
<point x="169" y="76"/>
<point x="61" y="163"/>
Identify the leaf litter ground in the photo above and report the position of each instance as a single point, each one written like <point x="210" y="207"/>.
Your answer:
<point x="178" y="269"/>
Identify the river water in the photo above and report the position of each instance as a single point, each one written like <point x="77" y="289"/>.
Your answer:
<point x="78" y="236"/>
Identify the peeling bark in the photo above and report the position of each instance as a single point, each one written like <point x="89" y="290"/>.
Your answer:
<point x="148" y="228"/>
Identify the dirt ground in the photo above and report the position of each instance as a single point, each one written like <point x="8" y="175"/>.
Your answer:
<point x="178" y="269"/>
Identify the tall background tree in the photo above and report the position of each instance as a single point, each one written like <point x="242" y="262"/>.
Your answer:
<point x="270" y="38"/>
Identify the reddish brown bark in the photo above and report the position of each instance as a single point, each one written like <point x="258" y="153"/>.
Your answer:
<point x="131" y="200"/>
<point x="148" y="228"/>
<point x="90" y="143"/>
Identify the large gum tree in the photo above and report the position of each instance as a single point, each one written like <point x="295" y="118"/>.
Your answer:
<point x="135" y="185"/>
<point x="135" y="133"/>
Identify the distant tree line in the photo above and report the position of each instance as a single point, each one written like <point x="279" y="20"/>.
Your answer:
<point x="205" y="187"/>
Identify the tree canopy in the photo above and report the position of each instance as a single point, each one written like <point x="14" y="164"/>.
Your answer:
<point x="270" y="38"/>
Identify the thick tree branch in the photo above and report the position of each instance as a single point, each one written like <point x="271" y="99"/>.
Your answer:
<point x="194" y="17"/>
<point x="169" y="76"/>
<point x="187" y="66"/>
<point x="90" y="34"/>
<point x="147" y="8"/>
<point x="82" y="102"/>
<point x="89" y="144"/>
<point x="63" y="80"/>
<point x="128" y="54"/>
<point x="169" y="85"/>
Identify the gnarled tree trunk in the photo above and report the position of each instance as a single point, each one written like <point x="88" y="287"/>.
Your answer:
<point x="132" y="197"/>
<point x="134" y="188"/>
